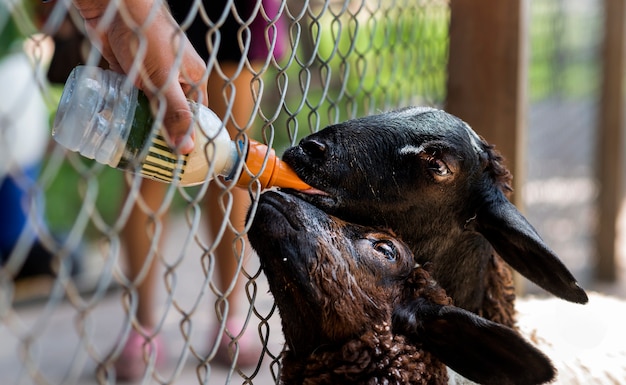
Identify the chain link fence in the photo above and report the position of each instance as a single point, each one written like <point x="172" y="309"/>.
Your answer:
<point x="95" y="260"/>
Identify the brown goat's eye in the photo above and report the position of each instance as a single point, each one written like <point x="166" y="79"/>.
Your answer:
<point x="386" y="248"/>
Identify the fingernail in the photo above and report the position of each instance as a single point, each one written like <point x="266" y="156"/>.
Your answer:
<point x="184" y="144"/>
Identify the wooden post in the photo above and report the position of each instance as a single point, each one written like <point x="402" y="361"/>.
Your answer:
<point x="487" y="75"/>
<point x="610" y="161"/>
<point x="487" y="78"/>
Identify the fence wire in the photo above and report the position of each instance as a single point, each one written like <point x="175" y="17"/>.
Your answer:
<point x="94" y="259"/>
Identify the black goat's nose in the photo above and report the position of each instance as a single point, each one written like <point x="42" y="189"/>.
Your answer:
<point x="313" y="148"/>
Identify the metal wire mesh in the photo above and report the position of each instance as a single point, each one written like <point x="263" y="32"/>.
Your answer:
<point x="341" y="59"/>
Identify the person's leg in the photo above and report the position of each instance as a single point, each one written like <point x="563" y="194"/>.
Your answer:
<point x="139" y="241"/>
<point x="138" y="237"/>
<point x="228" y="250"/>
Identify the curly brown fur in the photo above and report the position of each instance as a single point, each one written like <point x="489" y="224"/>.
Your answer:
<point x="500" y="175"/>
<point x="376" y="357"/>
<point x="499" y="299"/>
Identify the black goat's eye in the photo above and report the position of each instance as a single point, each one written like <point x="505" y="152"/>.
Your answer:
<point x="438" y="166"/>
<point x="386" y="248"/>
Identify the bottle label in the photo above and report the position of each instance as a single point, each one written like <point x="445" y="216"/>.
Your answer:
<point x="159" y="162"/>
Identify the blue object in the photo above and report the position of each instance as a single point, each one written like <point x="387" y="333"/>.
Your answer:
<point x="13" y="210"/>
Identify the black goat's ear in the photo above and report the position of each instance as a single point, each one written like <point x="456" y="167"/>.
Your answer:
<point x="478" y="349"/>
<point x="518" y="243"/>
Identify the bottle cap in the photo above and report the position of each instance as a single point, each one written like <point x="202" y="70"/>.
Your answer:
<point x="94" y="113"/>
<point x="276" y="173"/>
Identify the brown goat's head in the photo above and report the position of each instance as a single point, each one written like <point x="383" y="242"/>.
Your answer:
<point x="428" y="176"/>
<point x="355" y="307"/>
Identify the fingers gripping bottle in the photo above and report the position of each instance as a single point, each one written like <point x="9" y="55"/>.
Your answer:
<point x="103" y="117"/>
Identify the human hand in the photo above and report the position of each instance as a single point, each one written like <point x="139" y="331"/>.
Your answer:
<point x="142" y="38"/>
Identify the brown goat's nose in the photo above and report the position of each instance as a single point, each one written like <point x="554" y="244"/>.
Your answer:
<point x="313" y="148"/>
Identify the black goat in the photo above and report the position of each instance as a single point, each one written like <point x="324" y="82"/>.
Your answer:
<point x="356" y="309"/>
<point x="425" y="174"/>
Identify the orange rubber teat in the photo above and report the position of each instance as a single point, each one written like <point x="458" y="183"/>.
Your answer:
<point x="276" y="172"/>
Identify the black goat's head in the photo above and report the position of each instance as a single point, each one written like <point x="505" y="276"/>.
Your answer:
<point x="428" y="176"/>
<point x="335" y="281"/>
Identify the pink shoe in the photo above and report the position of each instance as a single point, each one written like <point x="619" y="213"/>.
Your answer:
<point x="249" y="344"/>
<point x="131" y="364"/>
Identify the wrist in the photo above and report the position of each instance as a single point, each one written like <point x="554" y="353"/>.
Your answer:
<point x="91" y="9"/>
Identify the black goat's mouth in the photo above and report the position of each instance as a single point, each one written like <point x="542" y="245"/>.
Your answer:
<point x="314" y="191"/>
<point x="317" y="197"/>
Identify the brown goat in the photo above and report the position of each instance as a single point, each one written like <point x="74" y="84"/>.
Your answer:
<point x="425" y="174"/>
<point x="356" y="309"/>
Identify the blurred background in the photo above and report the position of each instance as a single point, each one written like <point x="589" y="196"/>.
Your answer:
<point x="542" y="79"/>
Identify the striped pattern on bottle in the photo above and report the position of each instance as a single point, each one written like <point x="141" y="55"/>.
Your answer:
<point x="161" y="163"/>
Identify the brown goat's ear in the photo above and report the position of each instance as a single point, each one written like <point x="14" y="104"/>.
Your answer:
<point x="478" y="349"/>
<point x="518" y="243"/>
